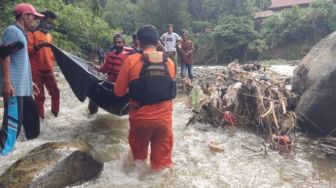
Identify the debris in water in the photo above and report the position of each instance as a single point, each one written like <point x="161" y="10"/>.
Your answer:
<point x="214" y="146"/>
<point x="232" y="96"/>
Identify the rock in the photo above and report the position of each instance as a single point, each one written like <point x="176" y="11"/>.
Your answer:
<point x="315" y="80"/>
<point x="51" y="165"/>
<point x="214" y="146"/>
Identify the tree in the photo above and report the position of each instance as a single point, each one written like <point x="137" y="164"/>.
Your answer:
<point x="77" y="29"/>
<point x="162" y="12"/>
<point x="232" y="36"/>
<point x="122" y="14"/>
<point x="285" y="27"/>
<point x="261" y="4"/>
<point x="320" y="18"/>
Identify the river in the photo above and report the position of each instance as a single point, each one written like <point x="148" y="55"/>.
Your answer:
<point x="194" y="164"/>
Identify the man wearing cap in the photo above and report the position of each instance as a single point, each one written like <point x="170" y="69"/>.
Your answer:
<point x="16" y="84"/>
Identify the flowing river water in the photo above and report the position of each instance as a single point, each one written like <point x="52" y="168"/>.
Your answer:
<point x="194" y="164"/>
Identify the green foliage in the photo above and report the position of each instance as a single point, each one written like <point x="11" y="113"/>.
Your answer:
<point x="297" y="24"/>
<point x="77" y="29"/>
<point x="258" y="45"/>
<point x="233" y="34"/>
<point x="83" y="25"/>
<point x="286" y="26"/>
<point x="261" y="4"/>
<point x="320" y="18"/>
<point x="200" y="26"/>
<point x="162" y="12"/>
<point x="83" y="28"/>
<point x="121" y="13"/>
<point x="211" y="10"/>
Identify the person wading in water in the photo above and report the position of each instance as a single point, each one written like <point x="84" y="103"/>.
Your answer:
<point x="150" y="78"/>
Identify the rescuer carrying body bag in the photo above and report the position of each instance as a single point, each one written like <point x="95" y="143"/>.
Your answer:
<point x="154" y="83"/>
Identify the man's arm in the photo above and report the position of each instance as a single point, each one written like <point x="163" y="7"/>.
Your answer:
<point x="178" y="39"/>
<point x="160" y="45"/>
<point x="8" y="89"/>
<point x="96" y="67"/>
<point x="52" y="54"/>
<point x="34" y="45"/>
<point x="192" y="50"/>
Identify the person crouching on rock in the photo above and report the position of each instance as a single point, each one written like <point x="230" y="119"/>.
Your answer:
<point x="150" y="78"/>
<point x="42" y="62"/>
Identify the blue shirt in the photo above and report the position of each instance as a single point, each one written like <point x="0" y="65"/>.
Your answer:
<point x="20" y="71"/>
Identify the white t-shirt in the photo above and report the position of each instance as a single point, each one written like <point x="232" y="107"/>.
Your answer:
<point x="169" y="41"/>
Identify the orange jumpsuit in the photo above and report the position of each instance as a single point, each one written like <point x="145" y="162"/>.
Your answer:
<point x="42" y="62"/>
<point x="149" y="124"/>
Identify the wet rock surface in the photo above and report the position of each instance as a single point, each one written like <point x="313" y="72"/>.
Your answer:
<point x="315" y="80"/>
<point x="55" y="164"/>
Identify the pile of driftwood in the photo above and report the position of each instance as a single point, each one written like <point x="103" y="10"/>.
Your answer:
<point x="244" y="95"/>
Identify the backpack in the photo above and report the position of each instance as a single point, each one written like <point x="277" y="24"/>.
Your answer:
<point x="154" y="84"/>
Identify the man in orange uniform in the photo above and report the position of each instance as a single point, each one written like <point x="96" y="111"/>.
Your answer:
<point x="150" y="79"/>
<point x="42" y="62"/>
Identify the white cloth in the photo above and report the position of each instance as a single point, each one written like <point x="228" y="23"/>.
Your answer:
<point x="170" y="41"/>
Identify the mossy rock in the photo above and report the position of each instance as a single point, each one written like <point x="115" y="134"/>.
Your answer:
<point x="55" y="164"/>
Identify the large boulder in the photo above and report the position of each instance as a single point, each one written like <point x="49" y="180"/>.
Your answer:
<point x="51" y="165"/>
<point x="315" y="80"/>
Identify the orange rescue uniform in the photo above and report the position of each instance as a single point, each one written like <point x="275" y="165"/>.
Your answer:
<point x="42" y="63"/>
<point x="150" y="123"/>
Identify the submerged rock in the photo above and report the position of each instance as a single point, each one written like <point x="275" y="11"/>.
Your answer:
<point x="51" y="165"/>
<point x="315" y="80"/>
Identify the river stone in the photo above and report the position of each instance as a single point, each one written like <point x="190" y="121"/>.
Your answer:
<point x="55" y="164"/>
<point x="315" y="80"/>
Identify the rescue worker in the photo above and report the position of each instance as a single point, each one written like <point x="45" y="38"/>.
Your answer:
<point x="150" y="78"/>
<point x="170" y="40"/>
<point x="16" y="86"/>
<point x="42" y="62"/>
<point x="112" y="64"/>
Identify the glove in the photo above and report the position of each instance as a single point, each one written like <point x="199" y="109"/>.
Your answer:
<point x="10" y="49"/>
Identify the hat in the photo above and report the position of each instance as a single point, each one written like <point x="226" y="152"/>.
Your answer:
<point x="28" y="9"/>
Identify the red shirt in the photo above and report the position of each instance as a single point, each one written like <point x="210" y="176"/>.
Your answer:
<point x="112" y="64"/>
